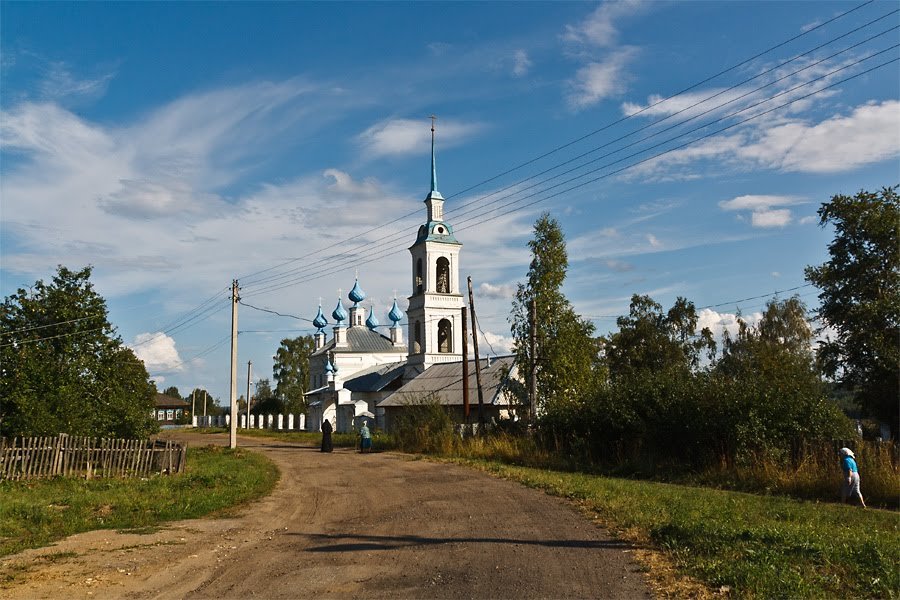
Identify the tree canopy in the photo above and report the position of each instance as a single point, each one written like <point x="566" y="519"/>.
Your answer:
<point x="860" y="298"/>
<point x="565" y="351"/>
<point x="291" y="371"/>
<point x="64" y="368"/>
<point x="651" y="340"/>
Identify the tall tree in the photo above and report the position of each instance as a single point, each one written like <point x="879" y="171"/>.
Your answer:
<point x="565" y="351"/>
<point x="650" y="340"/>
<point x="291" y="371"/>
<point x="172" y="391"/>
<point x="860" y="298"/>
<point x="64" y="368"/>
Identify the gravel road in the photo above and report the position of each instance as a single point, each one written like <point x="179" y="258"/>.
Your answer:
<point x="346" y="525"/>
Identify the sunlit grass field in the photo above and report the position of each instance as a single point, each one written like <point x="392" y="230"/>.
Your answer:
<point x="34" y="513"/>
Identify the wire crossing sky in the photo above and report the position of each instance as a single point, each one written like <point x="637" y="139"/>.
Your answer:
<point x="684" y="147"/>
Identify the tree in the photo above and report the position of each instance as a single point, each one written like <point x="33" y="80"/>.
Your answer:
<point x="860" y="298"/>
<point x="649" y="340"/>
<point x="64" y="368"/>
<point x="565" y="351"/>
<point x="291" y="371"/>
<point x="172" y="392"/>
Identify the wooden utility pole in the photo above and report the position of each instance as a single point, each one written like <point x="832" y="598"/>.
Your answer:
<point x="232" y="437"/>
<point x="205" y="396"/>
<point x="465" y="364"/>
<point x="532" y="367"/>
<point x="477" y="363"/>
<point x="193" y="404"/>
<point x="249" y="366"/>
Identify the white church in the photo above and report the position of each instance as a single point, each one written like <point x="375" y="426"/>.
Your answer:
<point x="362" y="374"/>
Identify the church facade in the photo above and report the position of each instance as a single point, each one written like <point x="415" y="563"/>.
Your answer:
<point x="358" y="369"/>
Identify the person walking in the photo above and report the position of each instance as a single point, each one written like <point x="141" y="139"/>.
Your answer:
<point x="850" y="486"/>
<point x="365" y="438"/>
<point x="326" y="436"/>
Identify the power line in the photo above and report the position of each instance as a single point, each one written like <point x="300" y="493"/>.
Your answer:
<point x="249" y="278"/>
<point x="482" y="219"/>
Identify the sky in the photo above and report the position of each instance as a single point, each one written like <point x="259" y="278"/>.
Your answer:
<point x="684" y="148"/>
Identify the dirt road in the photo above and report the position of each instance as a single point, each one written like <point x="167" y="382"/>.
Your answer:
<point x="346" y="525"/>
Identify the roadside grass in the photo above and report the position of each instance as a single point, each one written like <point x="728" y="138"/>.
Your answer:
<point x="380" y="440"/>
<point x="752" y="546"/>
<point x="36" y="512"/>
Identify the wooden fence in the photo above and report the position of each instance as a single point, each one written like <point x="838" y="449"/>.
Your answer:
<point x="76" y="456"/>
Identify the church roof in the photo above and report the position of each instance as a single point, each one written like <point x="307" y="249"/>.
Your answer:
<point x="376" y="378"/>
<point x="362" y="340"/>
<point x="442" y="382"/>
<point x="436" y="231"/>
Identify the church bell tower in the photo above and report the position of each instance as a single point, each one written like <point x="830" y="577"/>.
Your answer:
<point x="435" y="306"/>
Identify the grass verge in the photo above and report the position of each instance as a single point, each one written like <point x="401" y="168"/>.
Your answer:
<point x="34" y="513"/>
<point x="752" y="546"/>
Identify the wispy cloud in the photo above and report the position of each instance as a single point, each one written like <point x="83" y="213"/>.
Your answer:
<point x="763" y="209"/>
<point x="521" y="63"/>
<point x="601" y="79"/>
<point x="395" y="137"/>
<point x="600" y="28"/>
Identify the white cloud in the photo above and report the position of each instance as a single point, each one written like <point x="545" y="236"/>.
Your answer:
<point x="718" y="322"/>
<point x="619" y="266"/>
<point x="502" y="292"/>
<point x="758" y="202"/>
<point x="394" y="137"/>
<point x="808" y="220"/>
<point x="600" y="79"/>
<point x="869" y="134"/>
<point x="654" y="242"/>
<point x="763" y="209"/>
<point x="841" y="143"/>
<point x="599" y="28"/>
<point x="157" y="351"/>
<point x="521" y="63"/>
<point x="498" y="344"/>
<point x="771" y="218"/>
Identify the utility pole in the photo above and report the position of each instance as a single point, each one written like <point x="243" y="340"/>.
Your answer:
<point x="477" y="363"/>
<point x="465" y="364"/>
<point x="193" y="404"/>
<point x="249" y="366"/>
<point x="232" y="438"/>
<point x="205" y="395"/>
<point x="532" y="368"/>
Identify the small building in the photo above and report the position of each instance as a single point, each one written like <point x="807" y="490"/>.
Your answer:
<point x="442" y="383"/>
<point x="170" y="411"/>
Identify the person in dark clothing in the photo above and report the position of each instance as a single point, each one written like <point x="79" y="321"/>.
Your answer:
<point x="326" y="436"/>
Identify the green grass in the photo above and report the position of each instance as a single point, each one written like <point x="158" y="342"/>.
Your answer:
<point x="759" y="546"/>
<point x="37" y="512"/>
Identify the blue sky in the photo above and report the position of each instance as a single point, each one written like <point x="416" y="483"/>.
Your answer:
<point x="177" y="146"/>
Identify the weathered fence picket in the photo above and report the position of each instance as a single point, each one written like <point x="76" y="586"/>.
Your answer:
<point x="78" y="456"/>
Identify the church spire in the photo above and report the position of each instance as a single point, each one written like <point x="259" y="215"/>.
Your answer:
<point x="433" y="164"/>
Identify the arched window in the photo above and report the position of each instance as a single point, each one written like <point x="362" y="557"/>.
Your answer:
<point x="445" y="336"/>
<point x="417" y="337"/>
<point x="443" y="275"/>
<point x="420" y="284"/>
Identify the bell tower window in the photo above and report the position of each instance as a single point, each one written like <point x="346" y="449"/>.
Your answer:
<point x="417" y="337"/>
<point x="420" y="284"/>
<point x="445" y="336"/>
<point x="443" y="275"/>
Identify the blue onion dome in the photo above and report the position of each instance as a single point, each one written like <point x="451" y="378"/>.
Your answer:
<point x="357" y="295"/>
<point x="329" y="368"/>
<point x="320" y="321"/>
<point x="339" y="314"/>
<point x="371" y="322"/>
<point x="396" y="314"/>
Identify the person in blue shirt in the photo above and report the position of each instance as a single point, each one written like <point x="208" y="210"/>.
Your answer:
<point x="365" y="438"/>
<point x="851" y="476"/>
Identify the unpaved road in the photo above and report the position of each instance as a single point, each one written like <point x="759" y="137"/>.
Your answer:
<point x="346" y="525"/>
